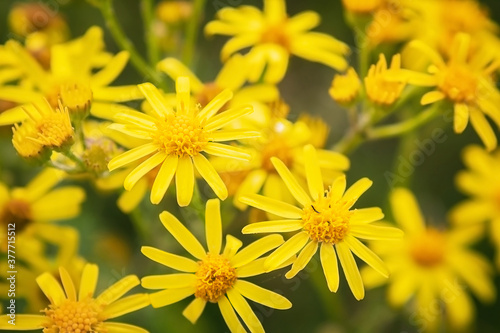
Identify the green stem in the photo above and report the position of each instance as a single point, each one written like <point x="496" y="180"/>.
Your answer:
<point x="69" y="154"/>
<point x="122" y="40"/>
<point x="192" y="32"/>
<point x="151" y="39"/>
<point x="197" y="203"/>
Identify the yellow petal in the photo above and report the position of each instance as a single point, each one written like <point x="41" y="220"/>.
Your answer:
<point x="229" y="315"/>
<point x="68" y="284"/>
<point x="163" y="179"/>
<point x="273" y="226"/>
<point x="182" y="235"/>
<point x="170" y="296"/>
<point x="330" y="266"/>
<point x="126" y="305"/>
<point x="174" y="68"/>
<point x="374" y="232"/>
<point x="227" y="116"/>
<point x="221" y="136"/>
<point x="351" y="271"/>
<point x="483" y="129"/>
<point x="245" y="311"/>
<point x="261" y="295"/>
<point x="156" y="99"/>
<point x="132" y="155"/>
<point x="251" y="185"/>
<point x="211" y="176"/>
<point x="237" y="43"/>
<point x="285" y="251"/>
<point x="356" y="190"/>
<point x="256" y="267"/>
<point x="24" y="322"/>
<point x="272" y="206"/>
<point x="213" y="226"/>
<point x="136" y="118"/>
<point x="303" y="21"/>
<point x="461" y="117"/>
<point x="338" y="188"/>
<point x="142" y="169"/>
<point x="183" y="94"/>
<point x="432" y="97"/>
<point x="89" y="281"/>
<point x="313" y="172"/>
<point x="366" y="215"/>
<point x="168" y="281"/>
<point x="118" y="289"/>
<point x="460" y="311"/>
<point x="184" y="181"/>
<point x="117" y="94"/>
<point x="129" y="200"/>
<point x="122" y="328"/>
<point x="170" y="260"/>
<point x="111" y="71"/>
<point x="51" y="288"/>
<point x="43" y="182"/>
<point x="12" y="116"/>
<point x="233" y="74"/>
<point x="194" y="310"/>
<point x="401" y="289"/>
<point x="222" y="150"/>
<point x="367" y="255"/>
<point x="214" y="105"/>
<point x="303" y="259"/>
<point x="293" y="186"/>
<point x="406" y="211"/>
<point x="256" y="249"/>
<point x="233" y="244"/>
<point x="108" y="111"/>
<point x="59" y="204"/>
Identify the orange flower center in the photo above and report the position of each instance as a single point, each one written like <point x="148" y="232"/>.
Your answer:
<point x="276" y="34"/>
<point x="459" y="84"/>
<point x="84" y="316"/>
<point x="18" y="212"/>
<point x="180" y="135"/>
<point x="279" y="148"/>
<point x="428" y="250"/>
<point x="215" y="277"/>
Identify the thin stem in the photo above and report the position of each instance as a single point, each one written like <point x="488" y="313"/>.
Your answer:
<point x="192" y="32"/>
<point x="151" y="39"/>
<point x="122" y="40"/>
<point x="69" y="154"/>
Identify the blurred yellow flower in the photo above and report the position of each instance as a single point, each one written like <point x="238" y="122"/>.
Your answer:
<point x="362" y="6"/>
<point x="345" y="87"/>
<point x="217" y="276"/>
<point x="380" y="88"/>
<point x="174" y="12"/>
<point x="175" y="141"/>
<point x="74" y="312"/>
<point x="433" y="265"/>
<point x="464" y="81"/>
<point x="273" y="36"/>
<point x="326" y="221"/>
<point x="482" y="183"/>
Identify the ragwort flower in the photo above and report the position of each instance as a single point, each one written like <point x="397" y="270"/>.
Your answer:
<point x="326" y="221"/>
<point x="217" y="276"/>
<point x="175" y="140"/>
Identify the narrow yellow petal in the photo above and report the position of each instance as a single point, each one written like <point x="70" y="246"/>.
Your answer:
<point x="118" y="289"/>
<point x="401" y="289"/>
<point x="256" y="267"/>
<point x="213" y="226"/>
<point x="272" y="206"/>
<point x="432" y="97"/>
<point x="227" y="116"/>
<point x="51" y="288"/>
<point x="168" y="281"/>
<point x="132" y="155"/>
<point x="142" y="169"/>
<point x="43" y="182"/>
<point x="237" y="43"/>
<point x="12" y="116"/>
<point x="111" y="71"/>
<point x="261" y="295"/>
<point x="67" y="282"/>
<point x="130" y="131"/>
<point x="215" y="105"/>
<point x="313" y="172"/>
<point x="233" y="74"/>
<point x="194" y="310"/>
<point x="367" y="255"/>
<point x="163" y="179"/>
<point x="250" y="185"/>
<point x="233" y="244"/>
<point x="174" y="68"/>
<point x="129" y="200"/>
<point x="293" y="186"/>
<point x="366" y="215"/>
<point x="89" y="281"/>
<point x="356" y="190"/>
<point x="303" y="21"/>
<point x="117" y="94"/>
<point x="461" y="117"/>
<point x="285" y="251"/>
<point x="338" y="188"/>
<point x="105" y="110"/>
<point x="136" y="118"/>
<point x="221" y="136"/>
<point x="156" y="99"/>
<point x="207" y="171"/>
<point x="170" y="260"/>
<point x="184" y="181"/>
<point x="351" y="271"/>
<point x="126" y="305"/>
<point x="182" y="235"/>
<point x="273" y="226"/>
<point x="245" y="311"/>
<point x="229" y="316"/>
<point x="425" y="49"/>
<point x="256" y="249"/>
<point x="122" y="328"/>
<point x="222" y="150"/>
<point x="483" y="129"/>
<point x="330" y="266"/>
<point x="461" y="311"/>
<point x="24" y="322"/>
<point x="170" y="296"/>
<point x="59" y="204"/>
<point x="406" y="211"/>
<point x="374" y="232"/>
<point x="183" y="94"/>
<point x="303" y="259"/>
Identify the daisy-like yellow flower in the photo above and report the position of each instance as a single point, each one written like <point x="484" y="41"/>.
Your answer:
<point x="175" y="140"/>
<point x="326" y="221"/>
<point x="72" y="77"/>
<point x="379" y="88"/>
<point x="482" y="183"/>
<point x="435" y="266"/>
<point x="466" y="82"/>
<point x="44" y="130"/>
<point x="345" y="87"/>
<point x="273" y="36"/>
<point x="216" y="276"/>
<point x="81" y="312"/>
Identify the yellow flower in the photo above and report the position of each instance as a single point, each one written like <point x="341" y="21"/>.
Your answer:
<point x="380" y="89"/>
<point x="434" y="266"/>
<point x="482" y="183"/>
<point x="217" y="276"/>
<point x="72" y="78"/>
<point x="326" y="221"/>
<point x="362" y="6"/>
<point x="273" y="36"/>
<point x="175" y="140"/>
<point x="345" y="87"/>
<point x="465" y="82"/>
<point x="74" y="312"/>
<point x="174" y="12"/>
<point x="44" y="130"/>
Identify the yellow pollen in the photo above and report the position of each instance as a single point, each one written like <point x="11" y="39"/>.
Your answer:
<point x="326" y="220"/>
<point x="428" y="250"/>
<point x="459" y="84"/>
<point x="76" y="97"/>
<point x="54" y="131"/>
<point x="16" y="211"/>
<point x="276" y="147"/>
<point x="276" y="35"/>
<point x="215" y="277"/>
<point x="84" y="316"/>
<point x="180" y="135"/>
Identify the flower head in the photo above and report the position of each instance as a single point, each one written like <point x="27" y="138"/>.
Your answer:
<point x="81" y="312"/>
<point x="175" y="140"/>
<point x="429" y="261"/>
<point x="273" y="36"/>
<point x="216" y="276"/>
<point x="326" y="221"/>
<point x="380" y="89"/>
<point x="345" y="87"/>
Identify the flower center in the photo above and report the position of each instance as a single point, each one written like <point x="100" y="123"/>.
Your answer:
<point x="215" y="277"/>
<point x="276" y="34"/>
<point x="180" y="135"/>
<point x="428" y="250"/>
<point x="326" y="221"/>
<point x="277" y="147"/>
<point x="459" y="84"/>
<point x="54" y="130"/>
<point x="76" y="97"/>
<point x="84" y="316"/>
<point x="18" y="212"/>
